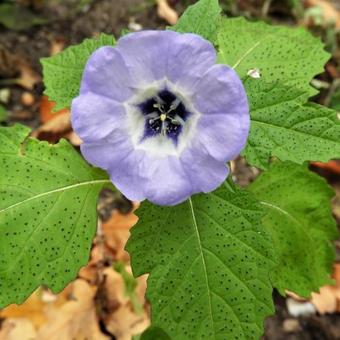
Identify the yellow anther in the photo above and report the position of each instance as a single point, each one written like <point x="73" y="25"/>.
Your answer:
<point x="163" y="117"/>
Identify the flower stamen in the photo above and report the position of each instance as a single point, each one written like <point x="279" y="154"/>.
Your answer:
<point x="165" y="115"/>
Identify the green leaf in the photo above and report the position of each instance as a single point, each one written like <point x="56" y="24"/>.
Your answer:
<point x="208" y="260"/>
<point x="63" y="72"/>
<point x="3" y="114"/>
<point x="289" y="55"/>
<point x="202" y="18"/>
<point x="335" y="100"/>
<point x="48" y="196"/>
<point x="285" y="126"/>
<point x="299" y="217"/>
<point x="153" y="333"/>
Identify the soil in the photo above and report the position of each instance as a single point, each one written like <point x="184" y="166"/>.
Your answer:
<point x="69" y="26"/>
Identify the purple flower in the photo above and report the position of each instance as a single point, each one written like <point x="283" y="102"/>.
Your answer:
<point x="160" y="115"/>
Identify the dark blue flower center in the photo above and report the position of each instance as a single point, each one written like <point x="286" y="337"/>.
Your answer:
<point x="165" y="114"/>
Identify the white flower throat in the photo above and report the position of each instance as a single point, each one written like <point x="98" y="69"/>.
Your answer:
<point x="161" y="119"/>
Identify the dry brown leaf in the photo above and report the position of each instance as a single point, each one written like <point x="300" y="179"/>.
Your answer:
<point x="17" y="329"/>
<point x="32" y="309"/>
<point x="124" y="322"/>
<point x="73" y="138"/>
<point x="116" y="232"/>
<point x="295" y="296"/>
<point x="35" y="306"/>
<point x="57" y="46"/>
<point x="329" y="12"/>
<point x="55" y="125"/>
<point x="54" y="129"/>
<point x="27" y="99"/>
<point x="291" y="325"/>
<point x="325" y="301"/>
<point x="90" y="271"/>
<point x="28" y="77"/>
<point x="114" y="288"/>
<point x="331" y="166"/>
<point x="46" y="108"/>
<point x="166" y="12"/>
<point x="336" y="203"/>
<point x="59" y="124"/>
<point x="328" y="299"/>
<point x="76" y="319"/>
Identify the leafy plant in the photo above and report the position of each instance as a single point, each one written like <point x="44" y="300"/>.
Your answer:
<point x="214" y="259"/>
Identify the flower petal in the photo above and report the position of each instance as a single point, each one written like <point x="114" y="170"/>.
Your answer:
<point x="155" y="55"/>
<point x="224" y="123"/>
<point x="205" y="172"/>
<point x="220" y="90"/>
<point x="167" y="182"/>
<point x="122" y="162"/>
<point x="190" y="58"/>
<point x="223" y="136"/>
<point x="94" y="117"/>
<point x="106" y="74"/>
<point x="138" y="175"/>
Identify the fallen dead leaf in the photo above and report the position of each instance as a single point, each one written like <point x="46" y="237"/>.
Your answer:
<point x="27" y="99"/>
<point x="328" y="299"/>
<point x="54" y="129"/>
<point x="32" y="309"/>
<point x="331" y="166"/>
<point x="116" y="233"/>
<point x="76" y="319"/>
<point x="167" y="13"/>
<point x="59" y="124"/>
<point x="124" y="322"/>
<point x="332" y="70"/>
<point x="46" y="110"/>
<point x="114" y="287"/>
<point x="291" y="325"/>
<point x="73" y="138"/>
<point x="329" y="12"/>
<point x="57" y="46"/>
<point x="17" y="329"/>
<point x="90" y="271"/>
<point x="28" y="77"/>
<point x="55" y="125"/>
<point x="295" y="296"/>
<point x="325" y="301"/>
